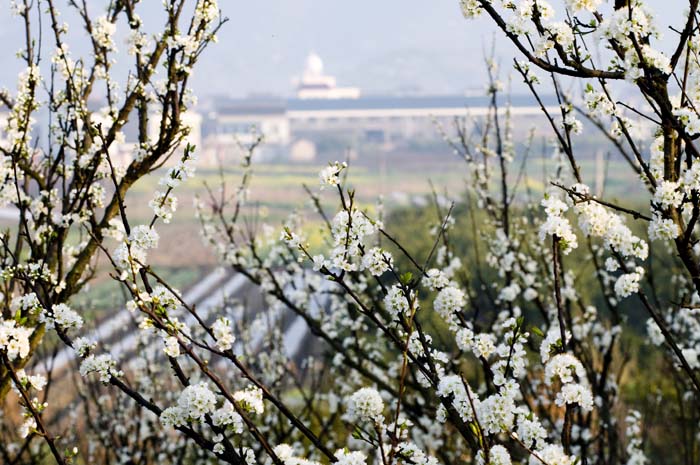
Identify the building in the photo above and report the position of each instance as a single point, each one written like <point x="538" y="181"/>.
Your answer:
<point x="321" y="114"/>
<point x="316" y="85"/>
<point x="232" y="124"/>
<point x="382" y="120"/>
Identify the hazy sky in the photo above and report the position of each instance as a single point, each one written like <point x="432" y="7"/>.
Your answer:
<point x="379" y="45"/>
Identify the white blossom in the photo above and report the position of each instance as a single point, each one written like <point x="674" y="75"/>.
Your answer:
<point x="396" y="302"/>
<point x="329" y="175"/>
<point x="346" y="457"/>
<point x="172" y="346"/>
<point x="14" y="339"/>
<point x="250" y="399"/>
<point x="628" y="284"/>
<point x="223" y="333"/>
<point x="376" y="261"/>
<point x="499" y="455"/>
<point x="366" y="404"/>
<point x="61" y="316"/>
<point x="574" y="393"/>
<point x="102" y="364"/>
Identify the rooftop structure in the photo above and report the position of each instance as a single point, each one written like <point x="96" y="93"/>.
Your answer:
<point x="316" y="85"/>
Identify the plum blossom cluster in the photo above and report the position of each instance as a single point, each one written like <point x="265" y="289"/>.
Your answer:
<point x="595" y="220"/>
<point x="61" y="316"/>
<point x="350" y="228"/>
<point x="14" y="339"/>
<point x="223" y="333"/>
<point x="195" y="402"/>
<point x="570" y="373"/>
<point x="557" y="225"/>
<point x="103" y="365"/>
<point x="329" y="176"/>
<point x="684" y="322"/>
<point x="366" y="405"/>
<point x="103" y="33"/>
<point x="131" y="255"/>
<point x="164" y="203"/>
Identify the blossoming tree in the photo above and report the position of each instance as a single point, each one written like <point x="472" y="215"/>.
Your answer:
<point x="514" y="356"/>
<point x="61" y="175"/>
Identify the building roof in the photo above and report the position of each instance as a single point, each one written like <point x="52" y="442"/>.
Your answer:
<point x="251" y="106"/>
<point x="379" y="103"/>
<point x="277" y="106"/>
